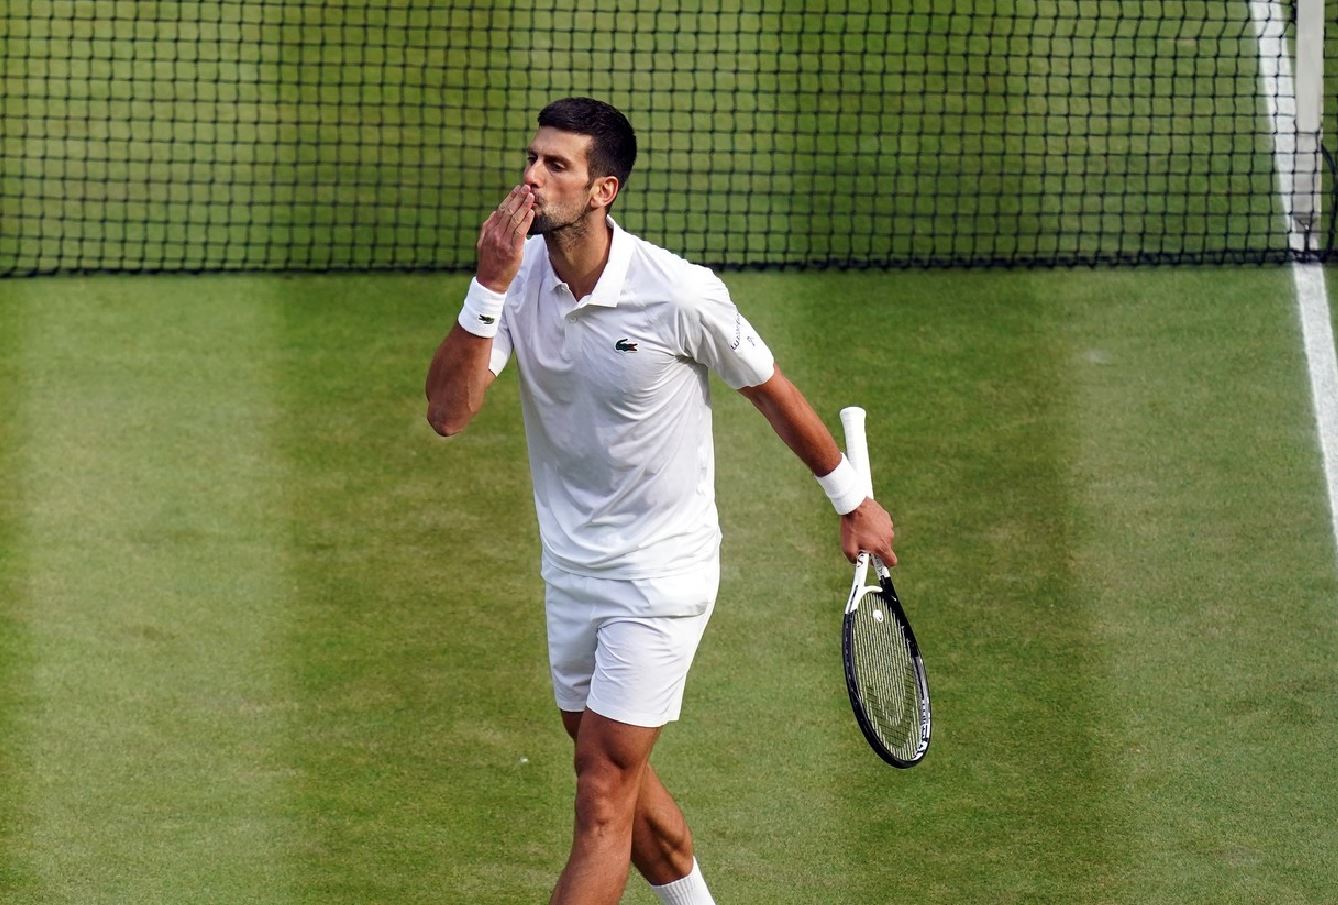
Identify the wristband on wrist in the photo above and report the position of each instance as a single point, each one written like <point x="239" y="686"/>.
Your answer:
<point x="844" y="487"/>
<point x="482" y="310"/>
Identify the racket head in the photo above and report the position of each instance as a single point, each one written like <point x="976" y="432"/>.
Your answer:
<point x="885" y="676"/>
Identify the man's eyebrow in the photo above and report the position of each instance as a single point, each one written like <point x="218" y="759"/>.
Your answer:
<point x="550" y="156"/>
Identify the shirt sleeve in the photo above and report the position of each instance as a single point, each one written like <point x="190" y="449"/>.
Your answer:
<point x="715" y="333"/>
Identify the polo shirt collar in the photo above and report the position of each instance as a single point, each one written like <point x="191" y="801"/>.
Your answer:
<point x="610" y="285"/>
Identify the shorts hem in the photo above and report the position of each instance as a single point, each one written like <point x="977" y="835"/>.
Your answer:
<point x="569" y="706"/>
<point x="631" y="718"/>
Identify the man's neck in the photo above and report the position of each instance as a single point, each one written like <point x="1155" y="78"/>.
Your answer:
<point x="579" y="252"/>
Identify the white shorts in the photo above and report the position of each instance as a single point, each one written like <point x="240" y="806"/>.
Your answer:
<point x="622" y="648"/>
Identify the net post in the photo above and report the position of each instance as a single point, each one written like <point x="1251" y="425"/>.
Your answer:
<point x="1307" y="182"/>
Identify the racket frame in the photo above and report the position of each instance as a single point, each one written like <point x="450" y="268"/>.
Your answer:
<point x="857" y="451"/>
<point x="885" y="590"/>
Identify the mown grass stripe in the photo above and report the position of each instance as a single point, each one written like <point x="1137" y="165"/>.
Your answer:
<point x="14" y="654"/>
<point x="959" y="378"/>
<point x="1204" y="548"/>
<point x="153" y="572"/>
<point x="1014" y="806"/>
<point x="432" y="766"/>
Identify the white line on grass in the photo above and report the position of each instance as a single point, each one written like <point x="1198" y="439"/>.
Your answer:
<point x="1312" y="297"/>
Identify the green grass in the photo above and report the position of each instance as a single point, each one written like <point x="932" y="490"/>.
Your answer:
<point x="143" y="731"/>
<point x="267" y="639"/>
<point x="13" y="592"/>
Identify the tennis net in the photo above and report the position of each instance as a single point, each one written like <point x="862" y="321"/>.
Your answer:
<point x="295" y="135"/>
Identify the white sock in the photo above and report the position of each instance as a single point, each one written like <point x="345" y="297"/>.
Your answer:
<point x="691" y="890"/>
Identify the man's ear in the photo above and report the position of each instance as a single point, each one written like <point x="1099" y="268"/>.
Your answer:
<point x="605" y="190"/>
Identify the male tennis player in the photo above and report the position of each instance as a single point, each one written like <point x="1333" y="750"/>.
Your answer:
<point x="613" y="338"/>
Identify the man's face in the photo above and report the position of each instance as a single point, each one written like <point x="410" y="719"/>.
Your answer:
<point x="558" y="175"/>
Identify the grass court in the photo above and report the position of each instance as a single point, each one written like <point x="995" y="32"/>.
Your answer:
<point x="267" y="639"/>
<point x="264" y="638"/>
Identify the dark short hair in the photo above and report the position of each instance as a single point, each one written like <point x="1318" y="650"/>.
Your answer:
<point x="613" y="151"/>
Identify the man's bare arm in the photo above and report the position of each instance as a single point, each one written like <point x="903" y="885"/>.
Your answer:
<point x="867" y="527"/>
<point x="458" y="376"/>
<point x="457" y="379"/>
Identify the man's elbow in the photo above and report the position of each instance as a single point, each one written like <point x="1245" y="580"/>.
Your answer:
<point x="766" y="395"/>
<point x="446" y="423"/>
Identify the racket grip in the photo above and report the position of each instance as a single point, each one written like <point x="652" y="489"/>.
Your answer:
<point x="857" y="444"/>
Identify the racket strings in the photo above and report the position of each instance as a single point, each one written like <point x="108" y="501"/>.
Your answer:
<point x="886" y="677"/>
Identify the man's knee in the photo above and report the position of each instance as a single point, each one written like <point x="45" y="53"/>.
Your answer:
<point x="610" y="759"/>
<point x="606" y="793"/>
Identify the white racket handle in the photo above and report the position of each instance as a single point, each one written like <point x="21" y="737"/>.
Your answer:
<point x="857" y="444"/>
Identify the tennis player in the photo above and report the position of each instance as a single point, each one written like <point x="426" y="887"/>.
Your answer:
<point x="613" y="339"/>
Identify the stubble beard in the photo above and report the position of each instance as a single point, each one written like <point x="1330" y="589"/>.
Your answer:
<point x="564" y="227"/>
<point x="558" y="227"/>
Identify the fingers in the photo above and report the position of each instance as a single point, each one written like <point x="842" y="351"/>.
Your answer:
<point x="501" y="241"/>
<point x="515" y="212"/>
<point x="882" y="551"/>
<point x="526" y="218"/>
<point x="868" y="528"/>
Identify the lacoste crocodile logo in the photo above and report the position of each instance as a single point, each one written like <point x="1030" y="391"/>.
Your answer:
<point x="625" y="345"/>
<point x="487" y="320"/>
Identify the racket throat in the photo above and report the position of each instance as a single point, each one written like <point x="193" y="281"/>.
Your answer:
<point x="859" y="586"/>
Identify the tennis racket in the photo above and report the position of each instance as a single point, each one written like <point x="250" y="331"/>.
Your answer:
<point x="884" y="673"/>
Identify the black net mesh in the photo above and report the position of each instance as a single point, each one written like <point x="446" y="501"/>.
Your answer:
<point x="299" y="135"/>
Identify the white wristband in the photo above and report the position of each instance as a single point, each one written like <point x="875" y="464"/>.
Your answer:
<point x="844" y="487"/>
<point x="482" y="310"/>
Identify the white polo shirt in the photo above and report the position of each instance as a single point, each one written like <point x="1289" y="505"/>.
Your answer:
<point x="617" y="405"/>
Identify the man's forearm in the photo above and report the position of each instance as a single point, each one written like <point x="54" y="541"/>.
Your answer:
<point x="795" y="422"/>
<point x="457" y="380"/>
<point x="459" y="375"/>
<point x="865" y="527"/>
